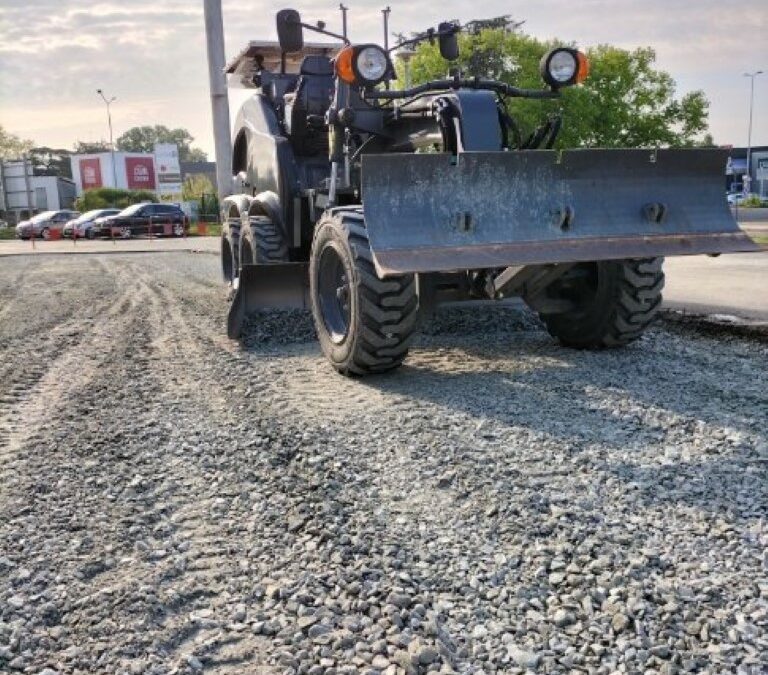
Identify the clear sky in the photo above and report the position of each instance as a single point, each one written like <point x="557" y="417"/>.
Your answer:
<point x="54" y="54"/>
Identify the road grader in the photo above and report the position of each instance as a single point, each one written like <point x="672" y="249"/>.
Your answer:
<point x="371" y="205"/>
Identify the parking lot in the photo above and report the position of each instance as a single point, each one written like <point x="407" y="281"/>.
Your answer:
<point x="175" y="502"/>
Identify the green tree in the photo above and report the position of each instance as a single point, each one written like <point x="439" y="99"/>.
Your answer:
<point x="143" y="139"/>
<point x="51" y="161"/>
<point x="195" y="186"/>
<point x="625" y="101"/>
<point x="90" y="147"/>
<point x="12" y="146"/>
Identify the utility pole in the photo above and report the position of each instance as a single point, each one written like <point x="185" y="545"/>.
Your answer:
<point x="214" y="34"/>
<point x="751" y="76"/>
<point x="108" y="103"/>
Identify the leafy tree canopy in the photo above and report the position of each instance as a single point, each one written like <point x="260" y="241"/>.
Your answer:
<point x="51" y="161"/>
<point x="195" y="186"/>
<point x="91" y="147"/>
<point x="625" y="102"/>
<point x="143" y="139"/>
<point x="11" y="146"/>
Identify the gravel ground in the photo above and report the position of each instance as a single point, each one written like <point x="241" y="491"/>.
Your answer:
<point x="173" y="502"/>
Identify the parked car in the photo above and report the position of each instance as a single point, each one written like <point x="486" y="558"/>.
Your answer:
<point x="143" y="218"/>
<point x="41" y="224"/>
<point x="83" y="226"/>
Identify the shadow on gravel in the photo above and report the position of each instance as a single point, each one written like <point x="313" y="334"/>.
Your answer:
<point x="731" y="485"/>
<point x="497" y="362"/>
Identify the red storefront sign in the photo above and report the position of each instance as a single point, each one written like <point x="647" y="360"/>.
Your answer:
<point x="90" y="173"/>
<point x="140" y="173"/>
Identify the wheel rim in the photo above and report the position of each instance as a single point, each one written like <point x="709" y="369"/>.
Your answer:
<point x="179" y="230"/>
<point x="579" y="286"/>
<point x="46" y="234"/>
<point x="333" y="294"/>
<point x="126" y="232"/>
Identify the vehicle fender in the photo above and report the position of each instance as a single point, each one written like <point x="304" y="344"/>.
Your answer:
<point x="267" y="203"/>
<point x="235" y="206"/>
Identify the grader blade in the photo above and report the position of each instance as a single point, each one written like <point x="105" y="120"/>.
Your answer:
<point x="273" y="286"/>
<point x="437" y="213"/>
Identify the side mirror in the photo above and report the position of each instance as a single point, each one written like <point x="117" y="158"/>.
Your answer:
<point x="289" y="31"/>
<point x="449" y="45"/>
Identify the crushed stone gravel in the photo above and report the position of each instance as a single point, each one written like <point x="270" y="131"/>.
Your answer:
<point x="175" y="502"/>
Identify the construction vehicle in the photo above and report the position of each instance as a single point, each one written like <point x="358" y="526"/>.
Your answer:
<point x="371" y="205"/>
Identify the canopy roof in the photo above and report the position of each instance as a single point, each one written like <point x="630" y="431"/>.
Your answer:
<point x="266" y="55"/>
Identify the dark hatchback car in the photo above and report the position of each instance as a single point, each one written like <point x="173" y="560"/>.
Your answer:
<point x="138" y="219"/>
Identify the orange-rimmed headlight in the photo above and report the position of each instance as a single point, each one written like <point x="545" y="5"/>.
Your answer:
<point x="362" y="64"/>
<point x="563" y="67"/>
<point x="343" y="65"/>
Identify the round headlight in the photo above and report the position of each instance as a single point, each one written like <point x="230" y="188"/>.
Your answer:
<point x="563" y="67"/>
<point x="371" y="63"/>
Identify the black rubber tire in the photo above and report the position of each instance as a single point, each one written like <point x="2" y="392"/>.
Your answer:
<point x="383" y="313"/>
<point x="624" y="298"/>
<point x="90" y="234"/>
<point x="230" y="248"/>
<point x="262" y="242"/>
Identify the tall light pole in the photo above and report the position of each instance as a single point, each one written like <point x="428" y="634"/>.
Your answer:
<point x="214" y="35"/>
<point x="109" y="102"/>
<point x="751" y="77"/>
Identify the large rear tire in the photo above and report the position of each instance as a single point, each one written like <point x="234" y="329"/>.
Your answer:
<point x="365" y="324"/>
<point x="612" y="302"/>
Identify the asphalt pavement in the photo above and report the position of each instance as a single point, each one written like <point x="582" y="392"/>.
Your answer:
<point x="730" y="285"/>
<point x="142" y="245"/>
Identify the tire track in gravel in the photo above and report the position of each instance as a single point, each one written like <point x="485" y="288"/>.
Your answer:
<point x="60" y="358"/>
<point x="176" y="350"/>
<point x="142" y="512"/>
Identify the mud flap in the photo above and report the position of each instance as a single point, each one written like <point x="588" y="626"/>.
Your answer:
<point x="274" y="286"/>
<point x="436" y="213"/>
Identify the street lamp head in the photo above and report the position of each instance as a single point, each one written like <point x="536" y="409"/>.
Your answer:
<point x="98" y="91"/>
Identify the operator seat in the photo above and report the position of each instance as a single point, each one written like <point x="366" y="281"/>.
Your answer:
<point x="312" y="96"/>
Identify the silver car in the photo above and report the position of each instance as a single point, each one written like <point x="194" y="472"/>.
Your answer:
<point x="40" y="225"/>
<point x="83" y="226"/>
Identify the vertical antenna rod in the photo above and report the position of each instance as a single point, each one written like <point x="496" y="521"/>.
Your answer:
<point x="343" y="19"/>
<point x="386" y="12"/>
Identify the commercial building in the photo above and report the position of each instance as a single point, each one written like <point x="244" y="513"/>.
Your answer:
<point x="736" y="171"/>
<point x="22" y="194"/>
<point x="157" y="172"/>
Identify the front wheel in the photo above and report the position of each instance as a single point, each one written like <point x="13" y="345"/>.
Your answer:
<point x="605" y="304"/>
<point x="365" y="324"/>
